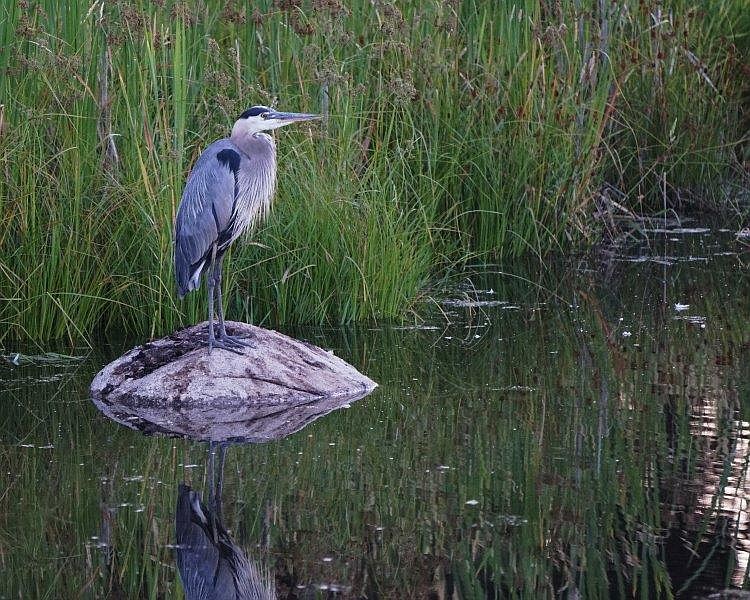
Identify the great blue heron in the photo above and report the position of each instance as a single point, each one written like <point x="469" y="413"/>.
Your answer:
<point x="228" y="190"/>
<point x="211" y="565"/>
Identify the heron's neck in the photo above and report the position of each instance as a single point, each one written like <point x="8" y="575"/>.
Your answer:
<point x="253" y="144"/>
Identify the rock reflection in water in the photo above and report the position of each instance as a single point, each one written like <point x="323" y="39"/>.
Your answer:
<point x="254" y="424"/>
<point x="210" y="563"/>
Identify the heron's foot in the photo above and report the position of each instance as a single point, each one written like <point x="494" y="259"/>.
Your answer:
<point x="221" y="343"/>
<point x="236" y="341"/>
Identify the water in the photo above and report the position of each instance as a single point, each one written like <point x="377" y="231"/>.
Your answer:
<point x="578" y="431"/>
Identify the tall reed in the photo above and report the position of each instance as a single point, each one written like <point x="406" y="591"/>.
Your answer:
<point x="453" y="129"/>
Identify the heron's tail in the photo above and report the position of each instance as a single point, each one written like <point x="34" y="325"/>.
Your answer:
<point x="187" y="275"/>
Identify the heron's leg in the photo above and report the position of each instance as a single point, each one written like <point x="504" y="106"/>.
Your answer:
<point x="210" y="285"/>
<point x="216" y="480"/>
<point x="223" y="335"/>
<point x="217" y="283"/>
<point x="211" y="476"/>
<point x="220" y="479"/>
<point x="213" y="341"/>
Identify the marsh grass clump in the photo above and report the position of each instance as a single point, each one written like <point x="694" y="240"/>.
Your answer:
<point x="452" y="130"/>
<point x="678" y="135"/>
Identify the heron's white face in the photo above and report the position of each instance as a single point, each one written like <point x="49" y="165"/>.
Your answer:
<point x="262" y="118"/>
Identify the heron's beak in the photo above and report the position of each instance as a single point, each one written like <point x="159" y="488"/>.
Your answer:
<point x="285" y="118"/>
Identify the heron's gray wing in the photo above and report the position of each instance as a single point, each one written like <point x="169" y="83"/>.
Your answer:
<point x="201" y="550"/>
<point x="204" y="217"/>
<point x="209" y="563"/>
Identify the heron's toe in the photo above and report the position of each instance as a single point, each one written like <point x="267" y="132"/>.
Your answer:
<point x="240" y="342"/>
<point x="224" y="345"/>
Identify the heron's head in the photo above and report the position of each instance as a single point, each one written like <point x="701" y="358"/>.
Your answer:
<point x="262" y="118"/>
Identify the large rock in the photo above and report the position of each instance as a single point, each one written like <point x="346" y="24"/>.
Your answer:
<point x="173" y="386"/>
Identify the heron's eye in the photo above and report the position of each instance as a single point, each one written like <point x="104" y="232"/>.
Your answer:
<point x="265" y="115"/>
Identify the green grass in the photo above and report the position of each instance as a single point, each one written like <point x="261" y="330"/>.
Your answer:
<point x="454" y="130"/>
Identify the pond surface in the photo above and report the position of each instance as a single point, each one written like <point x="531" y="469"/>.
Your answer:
<point x="576" y="431"/>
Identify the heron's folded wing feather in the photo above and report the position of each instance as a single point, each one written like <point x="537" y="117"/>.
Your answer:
<point x="204" y="213"/>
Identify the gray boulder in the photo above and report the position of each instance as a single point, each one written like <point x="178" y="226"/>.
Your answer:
<point x="173" y="386"/>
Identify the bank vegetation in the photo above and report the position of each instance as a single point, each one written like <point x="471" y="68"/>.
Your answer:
<point x="454" y="130"/>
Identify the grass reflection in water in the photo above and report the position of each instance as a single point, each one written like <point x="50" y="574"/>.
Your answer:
<point x="577" y="438"/>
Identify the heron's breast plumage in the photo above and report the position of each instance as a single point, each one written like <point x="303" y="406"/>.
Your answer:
<point x="255" y="185"/>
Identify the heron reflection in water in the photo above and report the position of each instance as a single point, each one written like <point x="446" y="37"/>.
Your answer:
<point x="211" y="565"/>
<point x="229" y="190"/>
